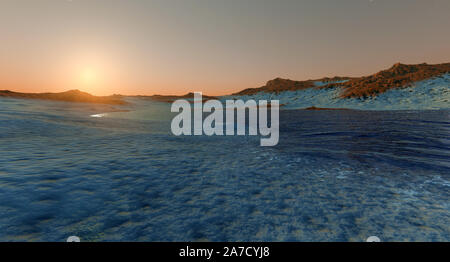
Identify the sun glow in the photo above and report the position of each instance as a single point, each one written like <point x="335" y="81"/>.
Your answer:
<point x="90" y="72"/>
<point x="91" y="79"/>
<point x="97" y="71"/>
<point x="88" y="76"/>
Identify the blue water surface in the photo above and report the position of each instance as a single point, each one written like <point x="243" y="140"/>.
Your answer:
<point x="334" y="176"/>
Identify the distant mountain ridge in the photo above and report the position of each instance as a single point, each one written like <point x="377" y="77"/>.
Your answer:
<point x="172" y="98"/>
<point x="280" y="85"/>
<point x="399" y="75"/>
<point x="68" y="96"/>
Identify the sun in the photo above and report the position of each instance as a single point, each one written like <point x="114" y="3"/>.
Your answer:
<point x="88" y="76"/>
<point x="90" y="80"/>
<point x="92" y="73"/>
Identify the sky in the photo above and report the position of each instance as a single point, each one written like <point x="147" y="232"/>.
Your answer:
<point x="138" y="47"/>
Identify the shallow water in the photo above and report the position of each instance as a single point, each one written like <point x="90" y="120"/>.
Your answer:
<point x="334" y="176"/>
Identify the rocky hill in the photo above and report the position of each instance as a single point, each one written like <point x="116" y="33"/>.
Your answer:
<point x="398" y="76"/>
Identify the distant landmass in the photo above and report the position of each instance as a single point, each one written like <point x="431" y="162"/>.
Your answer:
<point x="400" y="87"/>
<point x="68" y="96"/>
<point x="278" y="85"/>
<point x="419" y="86"/>
<point x="172" y="98"/>
<point x="399" y="75"/>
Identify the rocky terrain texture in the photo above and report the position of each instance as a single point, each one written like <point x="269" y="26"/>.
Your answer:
<point x="398" y="76"/>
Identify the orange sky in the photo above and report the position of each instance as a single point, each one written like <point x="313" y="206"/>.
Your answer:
<point x="217" y="47"/>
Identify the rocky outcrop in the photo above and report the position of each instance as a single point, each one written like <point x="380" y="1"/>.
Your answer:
<point x="278" y="85"/>
<point x="398" y="76"/>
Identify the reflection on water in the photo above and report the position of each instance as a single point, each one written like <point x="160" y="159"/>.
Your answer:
<point x="334" y="176"/>
<point x="99" y="115"/>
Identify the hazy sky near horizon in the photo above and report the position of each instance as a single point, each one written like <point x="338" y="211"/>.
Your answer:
<point x="214" y="46"/>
